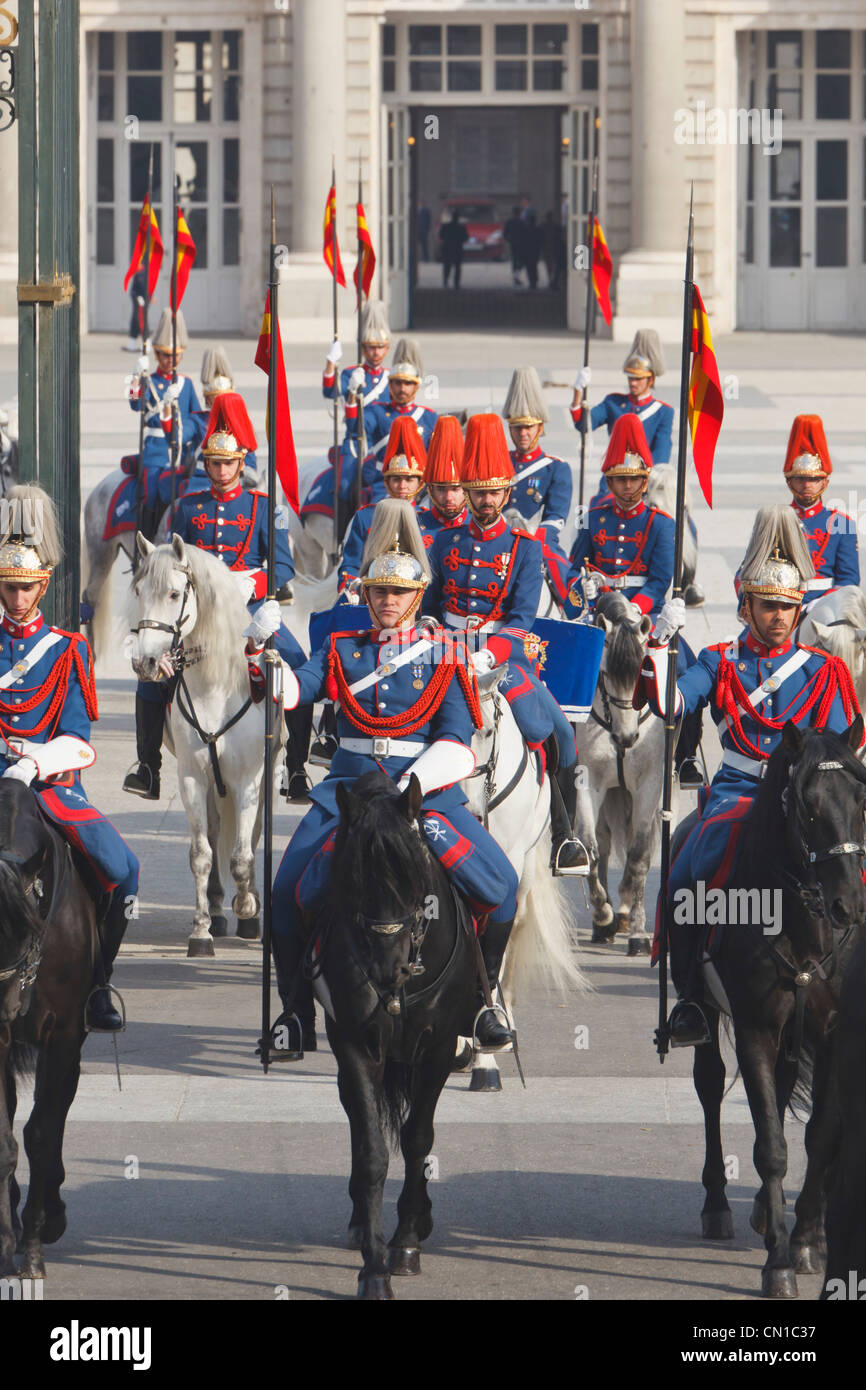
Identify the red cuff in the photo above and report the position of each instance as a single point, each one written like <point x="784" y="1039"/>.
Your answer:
<point x="328" y="380"/>
<point x="643" y="602"/>
<point x="260" y="579"/>
<point x="166" y="424"/>
<point x="576" y="412"/>
<point x="351" y="410"/>
<point x="257" y="682"/>
<point x="500" y="648"/>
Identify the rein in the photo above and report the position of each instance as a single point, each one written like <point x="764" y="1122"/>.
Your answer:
<point x="26" y="967"/>
<point x="492" y="797"/>
<point x="210" y="740"/>
<point x="606" y="723"/>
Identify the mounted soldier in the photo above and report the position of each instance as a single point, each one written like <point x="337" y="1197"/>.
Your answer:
<point x="232" y="525"/>
<point x="403" y="472"/>
<point x="447" y="500"/>
<point x="754" y="685"/>
<point x="624" y="544"/>
<point x="47" y="705"/>
<point x="643" y="364"/>
<point x="407" y="705"/>
<point x="406" y="375"/>
<point x="216" y="377"/>
<point x="830" y="535"/>
<point x="542" y="482"/>
<point x="159" y="397"/>
<point x="486" y="582"/>
<point x="369" y="377"/>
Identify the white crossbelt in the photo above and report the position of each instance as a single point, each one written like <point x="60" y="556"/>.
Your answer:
<point x="384" y="747"/>
<point x="415" y="415"/>
<point x="755" y="767"/>
<point x="819" y="583"/>
<point x="465" y="620"/>
<point x="20" y="669"/>
<point x="155" y="432"/>
<point x="393" y="665"/>
<point x="650" y="410"/>
<point x="531" y="468"/>
<point x="773" y="682"/>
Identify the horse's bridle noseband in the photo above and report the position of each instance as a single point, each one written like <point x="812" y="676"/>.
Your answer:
<point x="176" y="629"/>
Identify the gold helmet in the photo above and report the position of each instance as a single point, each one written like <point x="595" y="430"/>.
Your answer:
<point x="395" y="556"/>
<point x="524" y="404"/>
<point x="645" y="356"/>
<point x="162" y="338"/>
<point x="216" y="374"/>
<point x="777" y="563"/>
<point x="30" y="547"/>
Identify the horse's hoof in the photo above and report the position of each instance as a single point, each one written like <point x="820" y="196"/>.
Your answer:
<point x="639" y="946"/>
<point x="463" y="1057"/>
<point x="53" y="1227"/>
<point x="353" y="1239"/>
<point x="485" y="1079"/>
<point x="601" y="935"/>
<point x="778" y="1283"/>
<point x="758" y="1217"/>
<point x="200" y="946"/>
<point x="404" y="1259"/>
<point x="219" y="926"/>
<point x="249" y="928"/>
<point x="374" y="1287"/>
<point x="623" y="921"/>
<point x="603" y="917"/>
<point x="32" y="1266"/>
<point x="717" y="1225"/>
<point x="808" y="1259"/>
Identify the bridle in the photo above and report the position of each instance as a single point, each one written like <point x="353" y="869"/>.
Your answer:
<point x="26" y="967"/>
<point x="176" y="628"/>
<point x="605" y="721"/>
<point x="487" y="770"/>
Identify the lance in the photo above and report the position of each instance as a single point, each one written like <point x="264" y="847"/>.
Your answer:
<point x="587" y="331"/>
<point x="362" y="432"/>
<point x="336" y="374"/>
<point x="142" y="318"/>
<point x="174" y="411"/>
<point x="273" y="714"/>
<point x="662" y="1039"/>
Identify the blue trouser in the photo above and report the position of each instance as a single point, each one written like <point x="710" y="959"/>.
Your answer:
<point x="88" y="830"/>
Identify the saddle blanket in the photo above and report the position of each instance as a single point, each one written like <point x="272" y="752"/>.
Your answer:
<point x="123" y="507"/>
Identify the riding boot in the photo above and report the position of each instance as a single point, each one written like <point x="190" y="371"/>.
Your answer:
<point x="101" y="1016"/>
<point x="143" y="780"/>
<point x="299" y="725"/>
<point x="688" y="773"/>
<point x="292" y="1032"/>
<point x="150" y="518"/>
<point x="149" y="722"/>
<point x="490" y="1031"/>
<point x="568" y="858"/>
<point x="687" y="1024"/>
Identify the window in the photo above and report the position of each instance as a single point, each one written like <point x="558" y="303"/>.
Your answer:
<point x="105" y="194"/>
<point x="144" y="76"/>
<point x="832" y="74"/>
<point x="463" y="46"/>
<point x="589" y="57"/>
<point x="231" y="71"/>
<point x="511" y="70"/>
<point x="139" y="155"/>
<point x="389" y="54"/>
<point x="549" y="46"/>
<point x="785" y="72"/>
<point x="785" y="216"/>
<point x="831" y="187"/>
<point x="191" y="165"/>
<point x="193" y="77"/>
<point x="231" y="203"/>
<point x="105" y="78"/>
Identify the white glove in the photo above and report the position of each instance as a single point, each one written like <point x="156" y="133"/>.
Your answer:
<point x="133" y="387"/>
<point x="245" y="583"/>
<point x="23" y="771"/>
<point x="483" y="660"/>
<point x="670" y="620"/>
<point x="264" y="622"/>
<point x="583" y="379"/>
<point x="357" y="379"/>
<point x="352" y="591"/>
<point x="143" y="364"/>
<point x="172" y="391"/>
<point x="335" y="352"/>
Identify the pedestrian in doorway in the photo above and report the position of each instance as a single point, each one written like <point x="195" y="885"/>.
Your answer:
<point x="423" y="223"/>
<point x="550" y="238"/>
<point x="511" y="234"/>
<point x="530" y="248"/>
<point x="452" y="236"/>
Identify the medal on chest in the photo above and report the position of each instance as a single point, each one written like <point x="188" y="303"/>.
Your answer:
<point x="500" y="564"/>
<point x="418" y="674"/>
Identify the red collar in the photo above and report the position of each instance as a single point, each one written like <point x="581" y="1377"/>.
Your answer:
<point x="763" y="652"/>
<point x="166" y="376"/>
<point x="16" y="630"/>
<point x="401" y="409"/>
<point x="458" y="520"/>
<point x="227" y="496"/>
<point x="641" y="400"/>
<point x="631" y="512"/>
<point x="534" y="454"/>
<point x="498" y="528"/>
<point x="398" y="634"/>
<point x="806" y="513"/>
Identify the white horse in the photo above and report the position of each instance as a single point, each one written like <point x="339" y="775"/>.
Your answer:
<point x="180" y="592"/>
<point x="837" y="624"/>
<point x="662" y="493"/>
<point x="506" y="795"/>
<point x="620" y="777"/>
<point x="313" y="542"/>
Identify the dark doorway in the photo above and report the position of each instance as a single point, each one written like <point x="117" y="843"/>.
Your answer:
<point x="500" y="170"/>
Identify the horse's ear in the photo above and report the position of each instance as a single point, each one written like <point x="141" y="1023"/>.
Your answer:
<point x="645" y="626"/>
<point x="145" y="547"/>
<point x="410" y="801"/>
<point x="792" y="739"/>
<point x="855" y="733"/>
<point x="602" y="621"/>
<point x="178" y="548"/>
<point x="347" y="803"/>
<point x="821" y="631"/>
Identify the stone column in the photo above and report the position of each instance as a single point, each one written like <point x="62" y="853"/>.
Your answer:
<point x="8" y="231"/>
<point x="650" y="274"/>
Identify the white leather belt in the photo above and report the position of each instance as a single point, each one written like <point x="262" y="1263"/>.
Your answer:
<point x="154" y="432"/>
<point x="465" y="620"/>
<point x="755" y="767"/>
<point x="621" y="581"/>
<point x="384" y="747"/>
<point x="818" y="583"/>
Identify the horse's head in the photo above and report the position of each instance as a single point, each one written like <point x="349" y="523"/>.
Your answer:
<point x="823" y="794"/>
<point x="843" y="638"/>
<point x="381" y="877"/>
<point x="23" y="851"/>
<point x="165" y="598"/>
<point x="625" y="639"/>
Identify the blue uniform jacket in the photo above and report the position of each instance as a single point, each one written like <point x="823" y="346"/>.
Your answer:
<point x="234" y="526"/>
<point x="542" y="483"/>
<point x="493" y="575"/>
<point x="63" y="800"/>
<point x="375" y="386"/>
<point x="377" y="425"/>
<point x="634" y="549"/>
<point x="832" y="540"/>
<point x="157" y="442"/>
<point x="656" y="417"/>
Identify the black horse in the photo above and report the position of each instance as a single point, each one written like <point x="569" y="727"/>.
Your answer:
<point x="803" y="839"/>
<point x="47" y="954"/>
<point x="396" y="956"/>
<point x="846" y="1202"/>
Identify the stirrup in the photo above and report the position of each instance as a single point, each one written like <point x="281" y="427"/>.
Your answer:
<point x="693" y="1028"/>
<point x="493" y="1009"/>
<point x="568" y="870"/>
<point x="94" y="1027"/>
<point x="290" y="1050"/>
<point x="148" y="784"/>
<point x="690" y="764"/>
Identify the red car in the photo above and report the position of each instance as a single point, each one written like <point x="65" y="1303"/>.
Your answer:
<point x="485" y="240"/>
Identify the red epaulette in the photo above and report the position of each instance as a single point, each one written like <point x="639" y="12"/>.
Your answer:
<point x="527" y="535"/>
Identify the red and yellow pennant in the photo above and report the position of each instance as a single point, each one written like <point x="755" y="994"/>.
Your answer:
<point x="706" y="405"/>
<point x="139" y="250"/>
<point x="286" y="459"/>
<point x="185" y="258"/>
<point x="602" y="270"/>
<point x="331" y="248"/>
<point x="366" y="254"/>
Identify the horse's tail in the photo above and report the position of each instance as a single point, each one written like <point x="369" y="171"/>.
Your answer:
<point x="395" y="1099"/>
<point x="102" y="623"/>
<point x="543" y="941"/>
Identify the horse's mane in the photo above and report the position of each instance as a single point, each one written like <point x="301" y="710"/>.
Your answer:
<point x="222" y="613"/>
<point x="379" y="858"/>
<point x="17" y="914"/>
<point x="844" y="636"/>
<point x="623" y="649"/>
